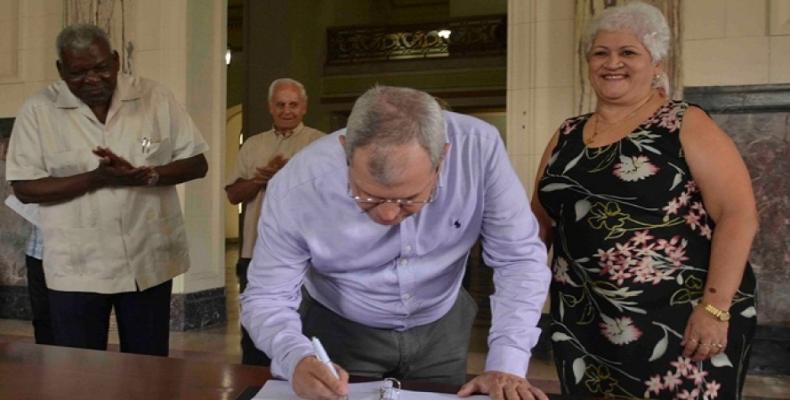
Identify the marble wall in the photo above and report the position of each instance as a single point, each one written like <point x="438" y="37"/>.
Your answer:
<point x="13" y="237"/>
<point x="757" y="117"/>
<point x="14" y="231"/>
<point x="762" y="139"/>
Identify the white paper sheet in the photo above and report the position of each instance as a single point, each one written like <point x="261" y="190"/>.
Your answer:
<point x="27" y="211"/>
<point x="281" y="390"/>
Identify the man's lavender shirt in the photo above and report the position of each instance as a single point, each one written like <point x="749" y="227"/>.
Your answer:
<point x="402" y="276"/>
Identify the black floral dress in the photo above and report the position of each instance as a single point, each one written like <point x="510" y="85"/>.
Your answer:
<point x="632" y="243"/>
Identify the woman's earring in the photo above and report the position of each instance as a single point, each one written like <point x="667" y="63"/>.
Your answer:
<point x="657" y="79"/>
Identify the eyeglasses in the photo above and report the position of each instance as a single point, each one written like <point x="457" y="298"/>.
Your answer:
<point x="368" y="203"/>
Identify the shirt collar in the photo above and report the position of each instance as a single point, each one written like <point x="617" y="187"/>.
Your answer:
<point x="128" y="88"/>
<point x="285" y="134"/>
<point x="65" y="98"/>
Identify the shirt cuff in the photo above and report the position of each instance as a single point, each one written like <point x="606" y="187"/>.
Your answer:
<point x="288" y="367"/>
<point x="508" y="359"/>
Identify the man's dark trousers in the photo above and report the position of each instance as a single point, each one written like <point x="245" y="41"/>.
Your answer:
<point x="82" y="319"/>
<point x="39" y="300"/>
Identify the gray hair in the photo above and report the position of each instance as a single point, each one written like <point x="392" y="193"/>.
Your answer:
<point x="388" y="116"/>
<point x="644" y="21"/>
<point x="79" y="37"/>
<point x="287" y="81"/>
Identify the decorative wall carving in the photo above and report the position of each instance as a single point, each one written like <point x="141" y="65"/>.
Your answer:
<point x="110" y="15"/>
<point x="478" y="36"/>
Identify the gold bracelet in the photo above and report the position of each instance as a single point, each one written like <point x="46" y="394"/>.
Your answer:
<point x="719" y="314"/>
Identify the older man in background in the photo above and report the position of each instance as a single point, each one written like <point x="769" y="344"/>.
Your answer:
<point x="260" y="157"/>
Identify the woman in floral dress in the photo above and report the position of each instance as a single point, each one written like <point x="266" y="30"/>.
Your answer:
<point x="650" y="212"/>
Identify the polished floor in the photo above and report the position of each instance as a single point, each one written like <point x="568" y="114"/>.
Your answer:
<point x="221" y="344"/>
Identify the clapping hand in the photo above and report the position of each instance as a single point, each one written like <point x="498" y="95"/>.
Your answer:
<point x="264" y="174"/>
<point x="117" y="171"/>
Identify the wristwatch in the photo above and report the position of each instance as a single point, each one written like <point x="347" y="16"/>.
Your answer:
<point x="721" y="315"/>
<point x="153" y="178"/>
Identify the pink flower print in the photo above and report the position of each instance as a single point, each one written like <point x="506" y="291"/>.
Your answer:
<point x="711" y="390"/>
<point x="685" y="394"/>
<point x="672" y="207"/>
<point x="620" y="276"/>
<point x="605" y="255"/>
<point x="691" y="186"/>
<point x="668" y="245"/>
<point x="608" y="266"/>
<point x="677" y="256"/>
<point x="653" y="385"/>
<point x="657" y="277"/>
<point x="632" y="169"/>
<point x="669" y="119"/>
<point x="641" y="237"/>
<point x="699" y="207"/>
<point x="646" y="273"/>
<point x="624" y="249"/>
<point x="705" y="231"/>
<point x="619" y="331"/>
<point x="672" y="380"/>
<point x="647" y="250"/>
<point x="683" y="366"/>
<point x="698" y="376"/>
<point x="561" y="271"/>
<point x="692" y="220"/>
<point x="684" y="198"/>
<point x="568" y="126"/>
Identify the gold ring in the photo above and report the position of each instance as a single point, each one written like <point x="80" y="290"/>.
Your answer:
<point x="704" y="344"/>
<point x="719" y="345"/>
<point x="693" y="340"/>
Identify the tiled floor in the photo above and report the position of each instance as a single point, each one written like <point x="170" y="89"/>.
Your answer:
<point x="221" y="344"/>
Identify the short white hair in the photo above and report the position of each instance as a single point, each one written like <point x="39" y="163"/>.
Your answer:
<point x="644" y="21"/>
<point x="287" y="81"/>
<point x="79" y="37"/>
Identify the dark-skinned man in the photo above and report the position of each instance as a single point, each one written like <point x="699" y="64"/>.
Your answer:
<point x="101" y="153"/>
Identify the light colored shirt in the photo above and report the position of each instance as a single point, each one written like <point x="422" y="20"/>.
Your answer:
<point x="113" y="239"/>
<point x="403" y="276"/>
<point x="255" y="153"/>
<point x="35" y="244"/>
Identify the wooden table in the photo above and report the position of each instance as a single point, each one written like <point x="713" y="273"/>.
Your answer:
<point x="38" y="372"/>
<point x="29" y="371"/>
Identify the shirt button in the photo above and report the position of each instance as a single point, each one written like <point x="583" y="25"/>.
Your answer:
<point x="408" y="249"/>
<point x="406" y="296"/>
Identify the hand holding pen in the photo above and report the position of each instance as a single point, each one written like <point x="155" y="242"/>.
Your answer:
<point x="318" y="378"/>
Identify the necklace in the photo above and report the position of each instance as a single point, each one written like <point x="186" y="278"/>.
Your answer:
<point x="596" y="116"/>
